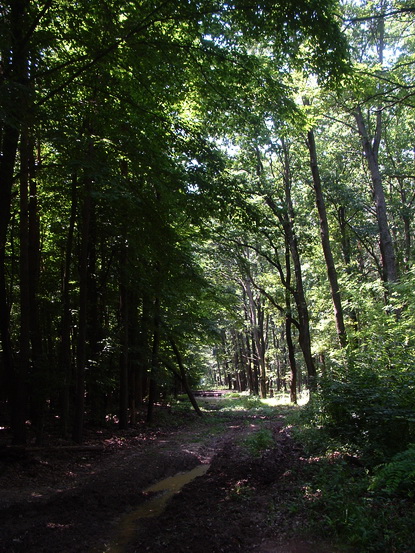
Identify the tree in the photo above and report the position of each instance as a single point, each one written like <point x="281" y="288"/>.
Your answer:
<point x="75" y="82"/>
<point x="371" y="145"/>
<point x="325" y="240"/>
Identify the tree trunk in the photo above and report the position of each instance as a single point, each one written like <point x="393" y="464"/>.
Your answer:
<point x="81" y="353"/>
<point x="65" y="354"/>
<point x="286" y="218"/>
<point x="154" y="361"/>
<point x="406" y="216"/>
<point x="134" y="373"/>
<point x="288" y="327"/>
<point x="299" y="294"/>
<point x="124" y="339"/>
<point x="14" y="85"/>
<point x="22" y="371"/>
<point x="143" y="360"/>
<point x="39" y="374"/>
<point x="371" y="151"/>
<point x="184" y="378"/>
<point x="371" y="154"/>
<point x="325" y="242"/>
<point x="257" y="329"/>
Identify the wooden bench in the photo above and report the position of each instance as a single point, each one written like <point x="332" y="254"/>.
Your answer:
<point x="207" y="393"/>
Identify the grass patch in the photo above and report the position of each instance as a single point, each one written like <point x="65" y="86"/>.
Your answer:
<point x="259" y="441"/>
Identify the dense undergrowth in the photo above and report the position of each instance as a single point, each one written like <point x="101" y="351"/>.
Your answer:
<point x="360" y="471"/>
<point x="357" y="476"/>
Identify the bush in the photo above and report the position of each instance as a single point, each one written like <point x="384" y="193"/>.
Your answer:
<point x="342" y="500"/>
<point x="369" y="411"/>
<point x="398" y="476"/>
<point x="259" y="442"/>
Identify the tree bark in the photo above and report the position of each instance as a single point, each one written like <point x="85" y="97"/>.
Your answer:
<point x="38" y="368"/>
<point x="154" y="361"/>
<point x="257" y="329"/>
<point x="65" y="355"/>
<point x="124" y="339"/>
<point x="299" y="293"/>
<point x="288" y="327"/>
<point x="81" y="354"/>
<point x="22" y="369"/>
<point x="15" y="88"/>
<point x="183" y="378"/>
<point x="325" y="241"/>
<point x="286" y="220"/>
<point x="371" y="153"/>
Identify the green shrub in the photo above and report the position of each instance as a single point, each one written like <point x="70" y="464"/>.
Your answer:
<point x="342" y="500"/>
<point x="260" y="441"/>
<point x="398" y="476"/>
<point x="369" y="411"/>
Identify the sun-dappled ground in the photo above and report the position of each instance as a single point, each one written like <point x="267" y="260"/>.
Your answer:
<point x="76" y="499"/>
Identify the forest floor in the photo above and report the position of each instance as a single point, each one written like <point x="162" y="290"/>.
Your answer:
<point x="94" y="499"/>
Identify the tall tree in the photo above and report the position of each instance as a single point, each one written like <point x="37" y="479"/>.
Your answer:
<point x="65" y="64"/>
<point x="325" y="240"/>
<point x="371" y="145"/>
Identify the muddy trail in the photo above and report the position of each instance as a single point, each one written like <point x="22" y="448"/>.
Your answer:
<point x="231" y="491"/>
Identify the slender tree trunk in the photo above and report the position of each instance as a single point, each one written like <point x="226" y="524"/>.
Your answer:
<point x="81" y="353"/>
<point x="262" y="332"/>
<point x="325" y="242"/>
<point x="154" y="361"/>
<point x="303" y="319"/>
<point x="39" y="375"/>
<point x="256" y="334"/>
<point x="30" y="373"/>
<point x="291" y="353"/>
<point x="371" y="154"/>
<point x="15" y="88"/>
<point x="65" y="354"/>
<point x="288" y="327"/>
<point x="371" y="151"/>
<point x="406" y="215"/>
<point x="22" y="372"/>
<point x="183" y="377"/>
<point x="345" y="240"/>
<point x="124" y="339"/>
<point x="345" y="246"/>
<point x="144" y="355"/>
<point x="286" y="218"/>
<point x="134" y="374"/>
<point x="248" y="362"/>
<point x="278" y="357"/>
<point x="246" y="353"/>
<point x="299" y="294"/>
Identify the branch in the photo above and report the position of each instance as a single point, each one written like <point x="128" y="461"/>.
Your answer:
<point x="276" y="305"/>
<point x="379" y="16"/>
<point x="105" y="52"/>
<point x="36" y="21"/>
<point x="367" y="247"/>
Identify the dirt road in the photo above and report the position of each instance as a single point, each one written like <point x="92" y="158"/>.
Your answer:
<point x="89" y="500"/>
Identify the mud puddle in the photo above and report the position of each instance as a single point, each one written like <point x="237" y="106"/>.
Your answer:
<point x="154" y="506"/>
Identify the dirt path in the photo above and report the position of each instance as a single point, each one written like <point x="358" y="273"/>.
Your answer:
<point x="79" y="501"/>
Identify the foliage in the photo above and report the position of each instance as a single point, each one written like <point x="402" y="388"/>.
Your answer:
<point x="258" y="442"/>
<point x="398" y="476"/>
<point x="342" y="498"/>
<point x="367" y="412"/>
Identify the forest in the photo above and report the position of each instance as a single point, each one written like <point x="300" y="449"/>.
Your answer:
<point x="209" y="195"/>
